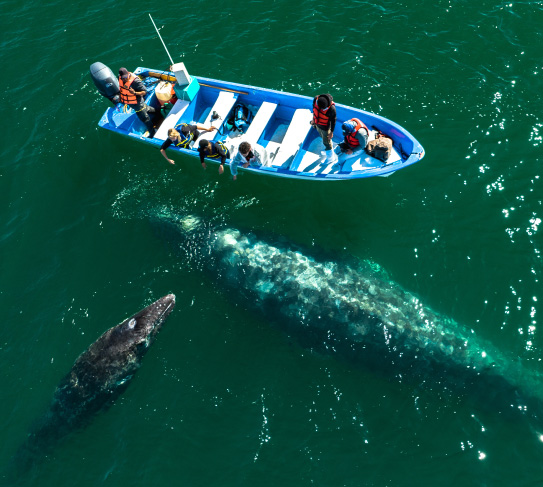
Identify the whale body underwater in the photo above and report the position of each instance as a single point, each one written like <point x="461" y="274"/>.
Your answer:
<point x="99" y="375"/>
<point x="355" y="312"/>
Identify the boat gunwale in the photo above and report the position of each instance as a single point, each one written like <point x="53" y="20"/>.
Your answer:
<point x="417" y="153"/>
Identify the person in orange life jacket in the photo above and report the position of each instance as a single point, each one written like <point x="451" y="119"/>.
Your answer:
<point x="324" y="120"/>
<point x="215" y="150"/>
<point x="356" y="137"/>
<point x="190" y="133"/>
<point x="132" y="94"/>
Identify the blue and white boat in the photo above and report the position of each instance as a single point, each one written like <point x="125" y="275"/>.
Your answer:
<point x="280" y="124"/>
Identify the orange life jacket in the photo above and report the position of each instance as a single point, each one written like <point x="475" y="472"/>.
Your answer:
<point x="319" y="117"/>
<point x="351" y="138"/>
<point x="126" y="97"/>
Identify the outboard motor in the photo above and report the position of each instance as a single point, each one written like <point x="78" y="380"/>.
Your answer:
<point x="106" y="82"/>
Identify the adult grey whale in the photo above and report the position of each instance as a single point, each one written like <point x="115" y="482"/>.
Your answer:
<point x="356" y="311"/>
<point x="99" y="375"/>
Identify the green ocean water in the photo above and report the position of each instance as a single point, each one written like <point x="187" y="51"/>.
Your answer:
<point x="223" y="397"/>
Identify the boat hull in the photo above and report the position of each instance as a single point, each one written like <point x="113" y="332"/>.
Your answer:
<point x="295" y="148"/>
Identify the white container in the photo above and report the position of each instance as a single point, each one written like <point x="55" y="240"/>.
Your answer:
<point x="181" y="74"/>
<point x="163" y="92"/>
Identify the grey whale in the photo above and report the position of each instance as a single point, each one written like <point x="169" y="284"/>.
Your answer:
<point x="355" y="312"/>
<point x="99" y="375"/>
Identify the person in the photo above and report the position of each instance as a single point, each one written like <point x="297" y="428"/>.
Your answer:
<point x="133" y="94"/>
<point x="355" y="135"/>
<point x="248" y="156"/>
<point x="324" y="120"/>
<point x="181" y="136"/>
<point x="213" y="151"/>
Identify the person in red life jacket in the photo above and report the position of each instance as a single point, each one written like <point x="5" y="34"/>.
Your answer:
<point x="215" y="150"/>
<point x="355" y="135"/>
<point x="132" y="94"/>
<point x="182" y="139"/>
<point x="324" y="120"/>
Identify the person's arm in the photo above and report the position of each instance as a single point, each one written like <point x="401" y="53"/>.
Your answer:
<point x="202" y="158"/>
<point x="332" y="119"/>
<point x="312" y="123"/>
<point x="138" y="88"/>
<point x="234" y="166"/>
<point x="204" y="129"/>
<point x="222" y="153"/>
<point x="163" y="148"/>
<point x="163" y="152"/>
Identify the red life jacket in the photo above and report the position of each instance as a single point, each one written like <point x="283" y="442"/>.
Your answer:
<point x="126" y="97"/>
<point x="319" y="117"/>
<point x="351" y="138"/>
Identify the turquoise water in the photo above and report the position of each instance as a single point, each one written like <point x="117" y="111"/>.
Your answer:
<point x="223" y="397"/>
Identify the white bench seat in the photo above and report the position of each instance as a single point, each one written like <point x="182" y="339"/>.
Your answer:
<point x="222" y="106"/>
<point x="171" y="120"/>
<point x="258" y="124"/>
<point x="294" y="137"/>
<point x="308" y="162"/>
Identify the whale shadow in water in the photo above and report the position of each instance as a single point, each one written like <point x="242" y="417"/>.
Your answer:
<point x="99" y="375"/>
<point x="355" y="312"/>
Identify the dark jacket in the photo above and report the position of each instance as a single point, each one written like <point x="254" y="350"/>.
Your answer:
<point x="218" y="150"/>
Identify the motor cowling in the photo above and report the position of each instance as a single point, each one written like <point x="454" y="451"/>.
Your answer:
<point x="106" y="82"/>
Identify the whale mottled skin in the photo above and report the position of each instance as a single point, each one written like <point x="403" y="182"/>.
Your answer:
<point x="358" y="312"/>
<point x="99" y="375"/>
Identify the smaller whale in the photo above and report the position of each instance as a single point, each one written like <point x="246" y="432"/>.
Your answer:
<point x="99" y="375"/>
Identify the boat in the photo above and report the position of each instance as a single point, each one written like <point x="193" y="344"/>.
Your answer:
<point x="280" y="123"/>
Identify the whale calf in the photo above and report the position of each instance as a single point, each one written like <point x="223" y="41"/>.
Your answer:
<point x="99" y="375"/>
<point x="355" y="311"/>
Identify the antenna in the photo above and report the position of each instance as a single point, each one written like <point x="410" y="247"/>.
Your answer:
<point x="161" y="39"/>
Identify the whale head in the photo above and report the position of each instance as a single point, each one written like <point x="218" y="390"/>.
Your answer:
<point x="140" y="330"/>
<point x="98" y="376"/>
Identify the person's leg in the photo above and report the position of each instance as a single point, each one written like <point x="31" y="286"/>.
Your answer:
<point x="144" y="117"/>
<point x="325" y="140"/>
<point x="329" y="154"/>
<point x="152" y="130"/>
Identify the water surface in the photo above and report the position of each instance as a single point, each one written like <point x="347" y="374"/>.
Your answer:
<point x="223" y="398"/>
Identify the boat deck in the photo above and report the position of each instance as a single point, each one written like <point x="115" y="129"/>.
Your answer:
<point x="280" y="124"/>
